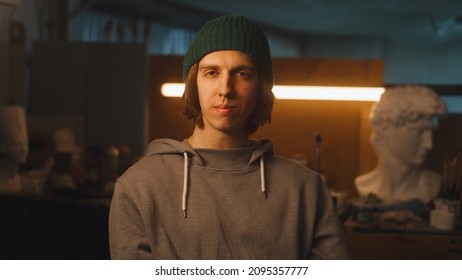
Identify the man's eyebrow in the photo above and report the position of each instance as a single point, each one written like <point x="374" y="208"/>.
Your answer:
<point x="245" y="67"/>
<point x="208" y="66"/>
<point x="237" y="68"/>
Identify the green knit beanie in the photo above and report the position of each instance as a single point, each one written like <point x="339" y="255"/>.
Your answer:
<point x="231" y="32"/>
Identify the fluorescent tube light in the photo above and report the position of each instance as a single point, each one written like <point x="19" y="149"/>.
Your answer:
<point x="328" y="93"/>
<point x="172" y="89"/>
<point x="302" y="92"/>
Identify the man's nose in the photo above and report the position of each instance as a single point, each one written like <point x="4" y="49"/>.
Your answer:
<point x="226" y="86"/>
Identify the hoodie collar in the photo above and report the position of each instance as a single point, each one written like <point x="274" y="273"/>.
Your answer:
<point x="170" y="146"/>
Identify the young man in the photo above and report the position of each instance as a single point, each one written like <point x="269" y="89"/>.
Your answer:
<point x="403" y="122"/>
<point x="220" y="194"/>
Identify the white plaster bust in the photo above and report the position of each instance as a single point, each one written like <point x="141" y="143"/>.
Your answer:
<point x="402" y="134"/>
<point x="14" y="147"/>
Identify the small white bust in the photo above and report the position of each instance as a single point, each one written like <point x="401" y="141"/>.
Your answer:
<point x="402" y="134"/>
<point x="14" y="147"/>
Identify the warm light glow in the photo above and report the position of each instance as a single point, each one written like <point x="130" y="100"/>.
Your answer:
<point x="328" y="93"/>
<point x="172" y="89"/>
<point x="302" y="92"/>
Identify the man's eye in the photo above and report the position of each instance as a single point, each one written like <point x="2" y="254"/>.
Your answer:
<point x="210" y="73"/>
<point x="243" y="74"/>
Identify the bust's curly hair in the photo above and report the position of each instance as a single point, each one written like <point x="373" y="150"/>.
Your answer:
<point x="405" y="104"/>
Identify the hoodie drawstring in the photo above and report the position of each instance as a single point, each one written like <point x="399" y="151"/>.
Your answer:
<point x="262" y="177"/>
<point x="185" y="184"/>
<point x="184" y="203"/>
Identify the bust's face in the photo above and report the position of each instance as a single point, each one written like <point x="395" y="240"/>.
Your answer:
<point x="14" y="142"/>
<point x="409" y="143"/>
<point x="17" y="152"/>
<point x="16" y="147"/>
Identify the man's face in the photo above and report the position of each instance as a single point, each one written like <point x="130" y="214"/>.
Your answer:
<point x="227" y="83"/>
<point x="410" y="142"/>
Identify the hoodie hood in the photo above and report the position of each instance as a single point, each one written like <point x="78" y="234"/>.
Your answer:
<point x="259" y="148"/>
<point x="165" y="146"/>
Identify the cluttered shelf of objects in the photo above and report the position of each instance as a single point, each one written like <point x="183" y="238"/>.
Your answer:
<point x="418" y="242"/>
<point x="415" y="227"/>
<point x="55" y="192"/>
<point x="405" y="230"/>
<point x="60" y="208"/>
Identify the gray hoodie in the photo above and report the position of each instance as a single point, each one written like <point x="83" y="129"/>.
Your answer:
<point x="246" y="203"/>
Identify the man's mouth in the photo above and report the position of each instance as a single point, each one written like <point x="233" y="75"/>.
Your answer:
<point x="224" y="109"/>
